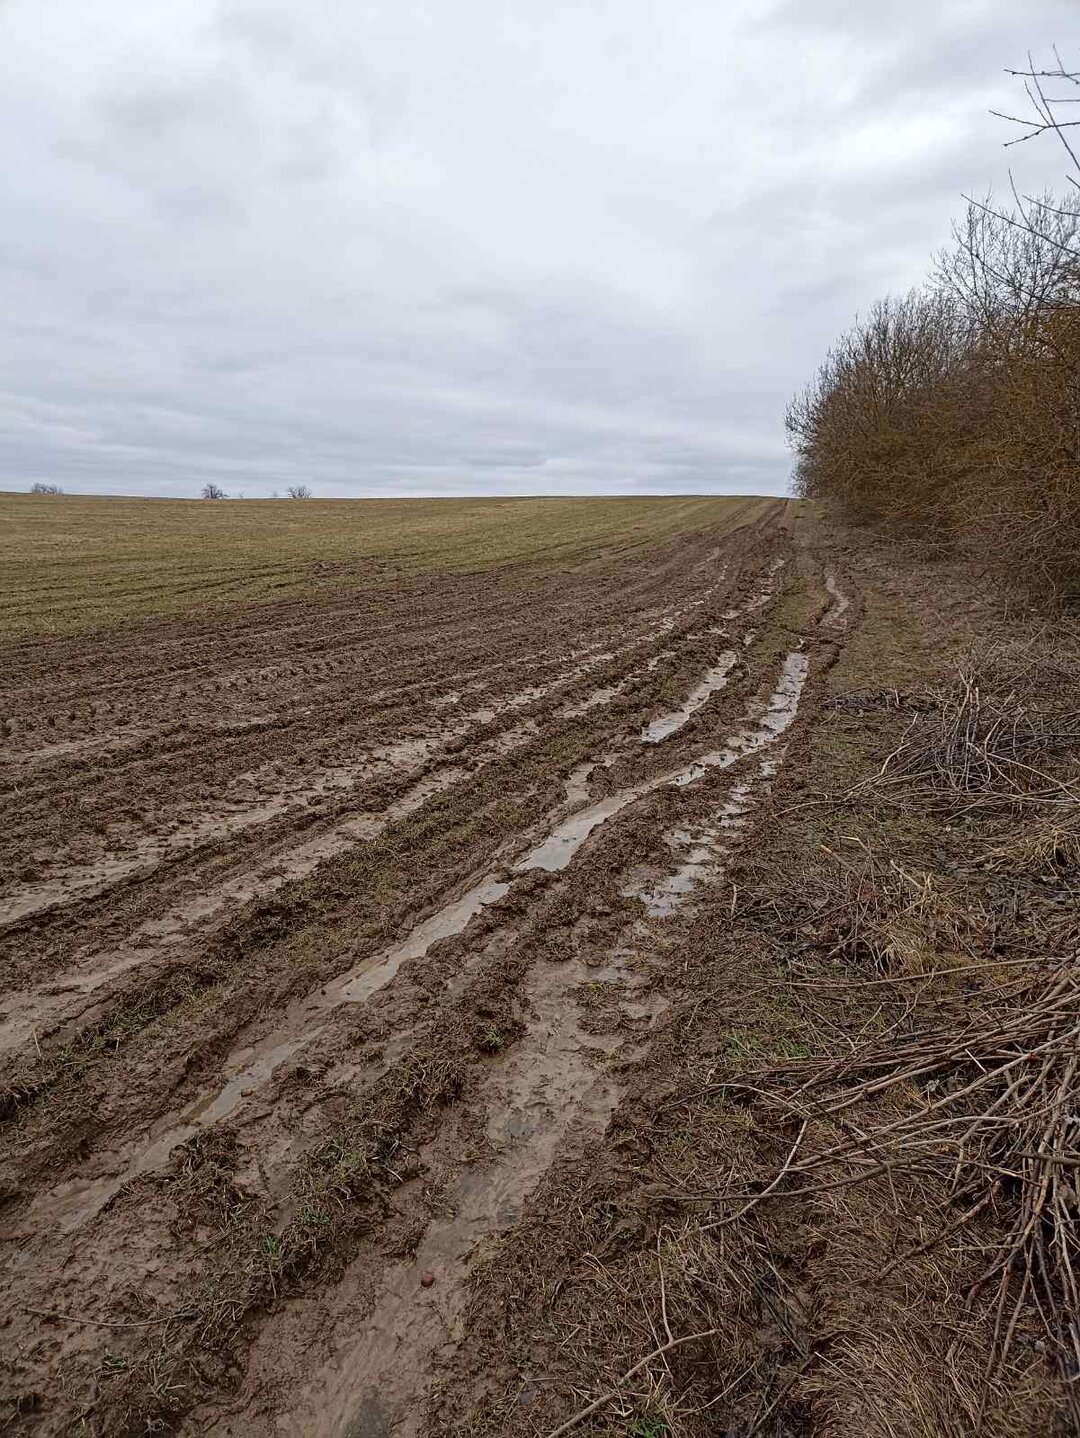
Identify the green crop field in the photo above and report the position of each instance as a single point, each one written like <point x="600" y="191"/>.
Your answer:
<point x="77" y="563"/>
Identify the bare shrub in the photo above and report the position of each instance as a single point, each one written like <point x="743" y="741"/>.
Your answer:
<point x="955" y="411"/>
<point x="298" y="491"/>
<point x="873" y="429"/>
<point x="39" y="487"/>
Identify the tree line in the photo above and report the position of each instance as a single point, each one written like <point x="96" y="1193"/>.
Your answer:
<point x="954" y="411"/>
<point x="293" y="491"/>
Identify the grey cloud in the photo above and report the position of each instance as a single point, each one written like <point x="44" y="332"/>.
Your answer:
<point x="411" y="248"/>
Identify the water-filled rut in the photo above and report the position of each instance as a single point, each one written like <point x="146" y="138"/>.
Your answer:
<point x="461" y="1007"/>
<point x="248" y="1069"/>
<point x="557" y="1085"/>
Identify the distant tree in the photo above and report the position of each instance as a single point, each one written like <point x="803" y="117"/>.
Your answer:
<point x="298" y="491"/>
<point x="39" y="488"/>
<point x="213" y="491"/>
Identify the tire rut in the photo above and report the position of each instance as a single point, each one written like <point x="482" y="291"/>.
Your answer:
<point x="528" y="1091"/>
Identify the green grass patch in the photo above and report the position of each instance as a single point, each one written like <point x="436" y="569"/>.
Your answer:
<point x="75" y="563"/>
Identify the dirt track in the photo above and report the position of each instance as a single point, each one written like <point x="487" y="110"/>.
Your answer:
<point x="329" y="927"/>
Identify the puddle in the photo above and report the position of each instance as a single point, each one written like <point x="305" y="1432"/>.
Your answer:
<point x="63" y="999"/>
<point x="253" y="1067"/>
<point x="207" y="1112"/>
<point x="713" y="680"/>
<point x="700" y="851"/>
<point x="38" y="1011"/>
<point x="607" y="693"/>
<point x="576" y="785"/>
<point x="306" y="1018"/>
<point x="551" y="1080"/>
<point x="700" y="848"/>
<point x="446" y="923"/>
<point x="557" y="1080"/>
<point x="410" y="752"/>
<point x="559" y="847"/>
<point x="85" y="881"/>
<point x="596" y="698"/>
<point x="148" y="853"/>
<point x="486" y="714"/>
<point x="611" y="691"/>
<point x="840" y="601"/>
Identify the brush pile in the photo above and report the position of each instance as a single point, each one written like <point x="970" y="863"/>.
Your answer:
<point x="983" y="745"/>
<point x="986" y="1115"/>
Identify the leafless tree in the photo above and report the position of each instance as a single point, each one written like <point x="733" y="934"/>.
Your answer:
<point x="298" y="491"/>
<point x="1045" y="108"/>
<point x="213" y="491"/>
<point x="39" y="487"/>
<point x="1006" y="275"/>
<point x="1045" y="118"/>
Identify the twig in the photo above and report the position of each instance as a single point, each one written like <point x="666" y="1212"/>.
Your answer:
<point x="663" y="1289"/>
<point x="766" y="1192"/>
<point x="106" y="1322"/>
<point x="771" y="1408"/>
<point x="611" y="1393"/>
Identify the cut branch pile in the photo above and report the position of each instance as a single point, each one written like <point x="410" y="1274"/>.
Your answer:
<point x="986" y="747"/>
<point x="991" y="1111"/>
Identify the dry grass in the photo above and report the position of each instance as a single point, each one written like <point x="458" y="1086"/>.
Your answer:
<point x="981" y="1111"/>
<point x="945" y="1135"/>
<point x="1045" y="848"/>
<point x="993" y="738"/>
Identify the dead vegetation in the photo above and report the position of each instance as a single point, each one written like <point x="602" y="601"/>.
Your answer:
<point x="940" y="1134"/>
<point x="992" y="737"/>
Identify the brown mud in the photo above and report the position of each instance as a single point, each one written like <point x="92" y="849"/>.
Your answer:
<point x="333" y="931"/>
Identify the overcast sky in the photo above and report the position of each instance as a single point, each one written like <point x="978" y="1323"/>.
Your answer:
<point x="468" y="246"/>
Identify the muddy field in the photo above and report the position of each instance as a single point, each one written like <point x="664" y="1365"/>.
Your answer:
<point x="350" y="946"/>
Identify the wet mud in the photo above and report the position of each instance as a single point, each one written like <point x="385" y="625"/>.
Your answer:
<point x="521" y="936"/>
